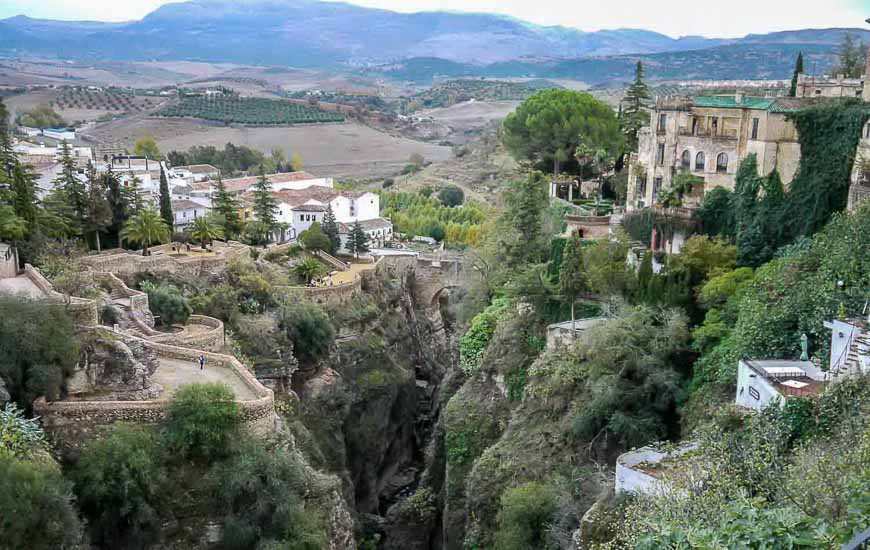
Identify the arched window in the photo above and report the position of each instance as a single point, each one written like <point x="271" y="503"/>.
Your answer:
<point x="700" y="162"/>
<point x="686" y="160"/>
<point x="722" y="163"/>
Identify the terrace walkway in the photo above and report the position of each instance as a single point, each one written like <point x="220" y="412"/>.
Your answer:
<point x="174" y="373"/>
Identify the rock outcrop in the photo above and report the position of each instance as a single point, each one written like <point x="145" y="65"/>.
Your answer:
<point x="114" y="370"/>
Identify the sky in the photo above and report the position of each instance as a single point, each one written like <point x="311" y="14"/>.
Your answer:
<point x="712" y="18"/>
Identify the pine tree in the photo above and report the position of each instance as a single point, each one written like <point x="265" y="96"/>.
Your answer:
<point x="850" y="57"/>
<point x="330" y="228"/>
<point x="25" y="200"/>
<point x="99" y="216"/>
<point x="635" y="115"/>
<point x="72" y="193"/>
<point x="798" y="69"/>
<point x="227" y="208"/>
<point x="358" y="241"/>
<point x="122" y="203"/>
<point x="165" y="198"/>
<point x="265" y="205"/>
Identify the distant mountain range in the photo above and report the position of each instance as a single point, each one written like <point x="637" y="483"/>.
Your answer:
<point x="309" y="33"/>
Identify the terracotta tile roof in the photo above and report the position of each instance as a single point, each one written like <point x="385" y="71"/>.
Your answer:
<point x="240" y="185"/>
<point x="309" y="208"/>
<point x="296" y="197"/>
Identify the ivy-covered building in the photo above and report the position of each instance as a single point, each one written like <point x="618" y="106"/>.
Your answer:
<point x="709" y="136"/>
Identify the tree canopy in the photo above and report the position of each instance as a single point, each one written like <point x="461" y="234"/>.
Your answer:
<point x="547" y="128"/>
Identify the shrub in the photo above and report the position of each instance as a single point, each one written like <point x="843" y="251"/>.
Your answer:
<point x="19" y="436"/>
<point x="451" y="196"/>
<point x="523" y="516"/>
<point x="118" y="481"/>
<point x="37" y="348"/>
<point x="36" y="507"/>
<point x="202" y="420"/>
<point x="310" y="330"/>
<point x="167" y="304"/>
<point x="260" y="491"/>
<point x="473" y="343"/>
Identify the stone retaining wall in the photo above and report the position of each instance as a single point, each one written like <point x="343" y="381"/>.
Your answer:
<point x="127" y="264"/>
<point x="212" y="339"/>
<point x="71" y="423"/>
<point x="328" y="295"/>
<point x="82" y="310"/>
<point x="138" y="299"/>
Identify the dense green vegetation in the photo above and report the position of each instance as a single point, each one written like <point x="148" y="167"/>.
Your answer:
<point x="41" y="116"/>
<point x="231" y="160"/>
<point x="416" y="214"/>
<point x="248" y="110"/>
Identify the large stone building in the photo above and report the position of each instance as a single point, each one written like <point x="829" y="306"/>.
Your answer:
<point x="709" y="136"/>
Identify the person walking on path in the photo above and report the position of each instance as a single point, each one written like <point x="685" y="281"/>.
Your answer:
<point x="201" y="361"/>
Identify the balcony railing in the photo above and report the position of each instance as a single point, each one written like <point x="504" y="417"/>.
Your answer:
<point x="726" y="134"/>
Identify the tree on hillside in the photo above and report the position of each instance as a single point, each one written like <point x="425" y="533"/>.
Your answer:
<point x="71" y="193"/>
<point x="451" y="195"/>
<point x="100" y="215"/>
<point x="146" y="228"/>
<point x="634" y="113"/>
<point x="165" y="200"/>
<point x="521" y="237"/>
<point x="850" y="57"/>
<point x="572" y="277"/>
<point x="265" y="205"/>
<point x="296" y="163"/>
<point x="330" y="229"/>
<point x="146" y="146"/>
<point x="205" y="230"/>
<point x="548" y="127"/>
<point x="314" y="238"/>
<point x="227" y="208"/>
<point x="357" y="241"/>
<point x="121" y="200"/>
<point x="798" y="69"/>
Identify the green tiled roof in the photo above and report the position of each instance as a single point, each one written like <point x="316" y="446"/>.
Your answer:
<point x="729" y="101"/>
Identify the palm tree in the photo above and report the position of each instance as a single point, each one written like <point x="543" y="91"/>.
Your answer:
<point x="309" y="269"/>
<point x="205" y="230"/>
<point x="147" y="227"/>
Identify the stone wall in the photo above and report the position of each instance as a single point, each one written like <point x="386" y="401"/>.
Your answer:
<point x="82" y="310"/>
<point x="127" y="264"/>
<point x="71" y="423"/>
<point x="328" y="295"/>
<point x="211" y="339"/>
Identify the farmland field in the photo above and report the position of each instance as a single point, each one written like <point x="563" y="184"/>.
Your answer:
<point x="248" y="110"/>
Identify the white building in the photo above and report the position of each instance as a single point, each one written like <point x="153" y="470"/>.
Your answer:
<point x="184" y="212"/>
<point x="195" y="173"/>
<point x="760" y="383"/>
<point x="63" y="134"/>
<point x="378" y="230"/>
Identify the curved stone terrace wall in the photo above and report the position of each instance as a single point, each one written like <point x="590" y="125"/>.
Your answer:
<point x="83" y="310"/>
<point x="336" y="294"/>
<point x="118" y="289"/>
<point x="201" y="333"/>
<point x="71" y="423"/>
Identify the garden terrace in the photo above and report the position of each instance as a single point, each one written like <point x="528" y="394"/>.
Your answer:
<point x="249" y="111"/>
<point x="163" y="260"/>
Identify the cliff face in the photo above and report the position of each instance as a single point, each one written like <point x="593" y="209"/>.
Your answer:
<point x="367" y="413"/>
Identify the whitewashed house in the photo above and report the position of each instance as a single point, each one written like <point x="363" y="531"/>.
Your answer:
<point x="184" y="212"/>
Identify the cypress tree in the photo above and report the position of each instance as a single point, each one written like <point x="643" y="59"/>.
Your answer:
<point x="358" y="241"/>
<point x="572" y="278"/>
<point x="228" y="208"/>
<point x="635" y="115"/>
<point x="165" y="199"/>
<point x="265" y="205"/>
<point x="798" y="69"/>
<point x="330" y="228"/>
<point x="71" y="191"/>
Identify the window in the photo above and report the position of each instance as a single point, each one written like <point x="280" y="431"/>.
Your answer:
<point x="818" y="92"/>
<point x="686" y="160"/>
<point x="641" y="186"/>
<point x="694" y="125"/>
<point x="301" y="217"/>
<point x="867" y="131"/>
<point x="722" y="163"/>
<point x="663" y="121"/>
<point x="754" y="128"/>
<point x="660" y="156"/>
<point x="714" y="126"/>
<point x="657" y="186"/>
<point x="700" y="162"/>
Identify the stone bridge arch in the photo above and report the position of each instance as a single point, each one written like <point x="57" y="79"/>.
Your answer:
<point x="434" y="276"/>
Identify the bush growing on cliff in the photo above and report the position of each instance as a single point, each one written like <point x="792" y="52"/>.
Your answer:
<point x="473" y="343"/>
<point x="260" y="491"/>
<point x="309" y="328"/>
<point x="38" y="348"/>
<point x="523" y="516"/>
<point x="37" y="507"/>
<point x="118" y="481"/>
<point x="202" y="420"/>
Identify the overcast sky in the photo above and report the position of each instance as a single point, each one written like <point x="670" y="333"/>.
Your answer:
<point x="714" y="18"/>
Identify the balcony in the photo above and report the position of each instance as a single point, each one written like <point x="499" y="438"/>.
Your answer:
<point x="730" y="135"/>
